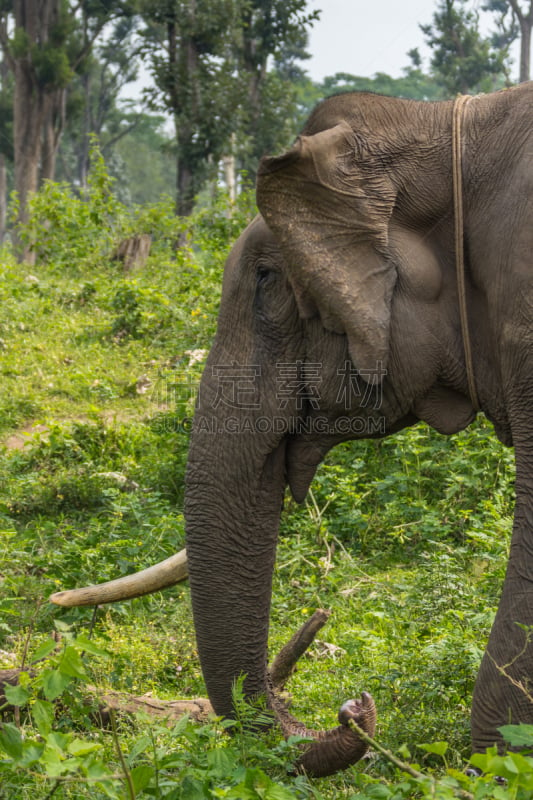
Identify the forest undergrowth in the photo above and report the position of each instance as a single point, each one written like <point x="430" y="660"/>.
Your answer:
<point x="404" y="539"/>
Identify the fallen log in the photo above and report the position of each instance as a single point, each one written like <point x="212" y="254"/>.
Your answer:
<point x="199" y="709"/>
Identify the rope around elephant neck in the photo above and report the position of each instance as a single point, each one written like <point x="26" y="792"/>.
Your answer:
<point x="457" y="176"/>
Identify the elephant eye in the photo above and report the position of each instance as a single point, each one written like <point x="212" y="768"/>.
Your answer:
<point x="265" y="275"/>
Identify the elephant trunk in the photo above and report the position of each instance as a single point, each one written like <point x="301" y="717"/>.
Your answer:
<point x="232" y="508"/>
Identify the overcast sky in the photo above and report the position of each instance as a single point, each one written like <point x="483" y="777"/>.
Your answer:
<point x="363" y="37"/>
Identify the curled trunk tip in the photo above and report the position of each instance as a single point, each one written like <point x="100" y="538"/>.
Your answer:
<point x="340" y="747"/>
<point x="335" y="749"/>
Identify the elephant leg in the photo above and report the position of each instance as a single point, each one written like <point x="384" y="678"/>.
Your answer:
<point x="504" y="688"/>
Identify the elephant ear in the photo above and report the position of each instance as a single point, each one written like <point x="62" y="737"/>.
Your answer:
<point x="328" y="202"/>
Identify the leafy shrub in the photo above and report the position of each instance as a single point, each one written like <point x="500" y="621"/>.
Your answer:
<point x="67" y="228"/>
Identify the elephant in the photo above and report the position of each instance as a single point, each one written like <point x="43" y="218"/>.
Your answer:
<point x="386" y="280"/>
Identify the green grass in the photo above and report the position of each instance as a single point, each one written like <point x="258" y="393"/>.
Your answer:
<point x="405" y="540"/>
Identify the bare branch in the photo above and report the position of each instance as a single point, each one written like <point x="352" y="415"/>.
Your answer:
<point x="284" y="663"/>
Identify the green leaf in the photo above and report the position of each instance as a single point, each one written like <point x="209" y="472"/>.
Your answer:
<point x="438" y="748"/>
<point x="80" y="747"/>
<point x="52" y="762"/>
<point x="58" y="741"/>
<point x="44" y="649"/>
<point x="277" y="792"/>
<point x="16" y="695"/>
<point x="54" y="683"/>
<point x="404" y="752"/>
<point x="257" y="784"/>
<point x="11" y="740"/>
<point x="240" y="792"/>
<point x="71" y="663"/>
<point x="378" y="792"/>
<point x="31" y="752"/>
<point x="141" y="776"/>
<point x="192" y="789"/>
<point x="220" y="762"/>
<point x="518" y="735"/>
<point x="480" y="760"/>
<point x="509" y="766"/>
<point x="139" y="747"/>
<point x="181" y="726"/>
<point x="62" y="627"/>
<point x="86" y="645"/>
<point x="43" y="716"/>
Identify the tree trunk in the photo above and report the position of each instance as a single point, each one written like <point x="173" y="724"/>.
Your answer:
<point x="525" y="21"/>
<point x="31" y="102"/>
<point x="3" y="197"/>
<point x="134" y="251"/>
<point x="525" y="48"/>
<point x="53" y="126"/>
<point x="185" y="192"/>
<point x="27" y="126"/>
<point x="228" y="165"/>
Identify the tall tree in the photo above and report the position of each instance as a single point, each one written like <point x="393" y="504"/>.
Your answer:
<point x="49" y="39"/>
<point x="515" y="20"/>
<point x="275" y="31"/>
<point x="210" y="61"/>
<point x="414" y="84"/>
<point x="96" y="104"/>
<point x="6" y="131"/>
<point x="41" y="73"/>
<point x="189" y="45"/>
<point x="525" y="20"/>
<point x="463" y="60"/>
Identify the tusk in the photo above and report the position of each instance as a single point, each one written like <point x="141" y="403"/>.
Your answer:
<point x="166" y="573"/>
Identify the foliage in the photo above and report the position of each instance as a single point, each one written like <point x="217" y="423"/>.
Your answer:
<point x="178" y="763"/>
<point x="414" y="85"/>
<point x="210" y="64"/>
<point x="99" y="370"/>
<point x="96" y="107"/>
<point x="513" y="20"/>
<point x="189" y="47"/>
<point x="463" y="60"/>
<point x="278" y="31"/>
<point x="65" y="227"/>
<point x="144" y="161"/>
<point x="43" y="45"/>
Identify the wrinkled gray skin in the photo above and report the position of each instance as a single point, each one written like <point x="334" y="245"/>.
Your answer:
<point x="352" y="259"/>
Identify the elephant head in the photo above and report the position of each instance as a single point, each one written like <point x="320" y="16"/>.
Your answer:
<point x="339" y="320"/>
